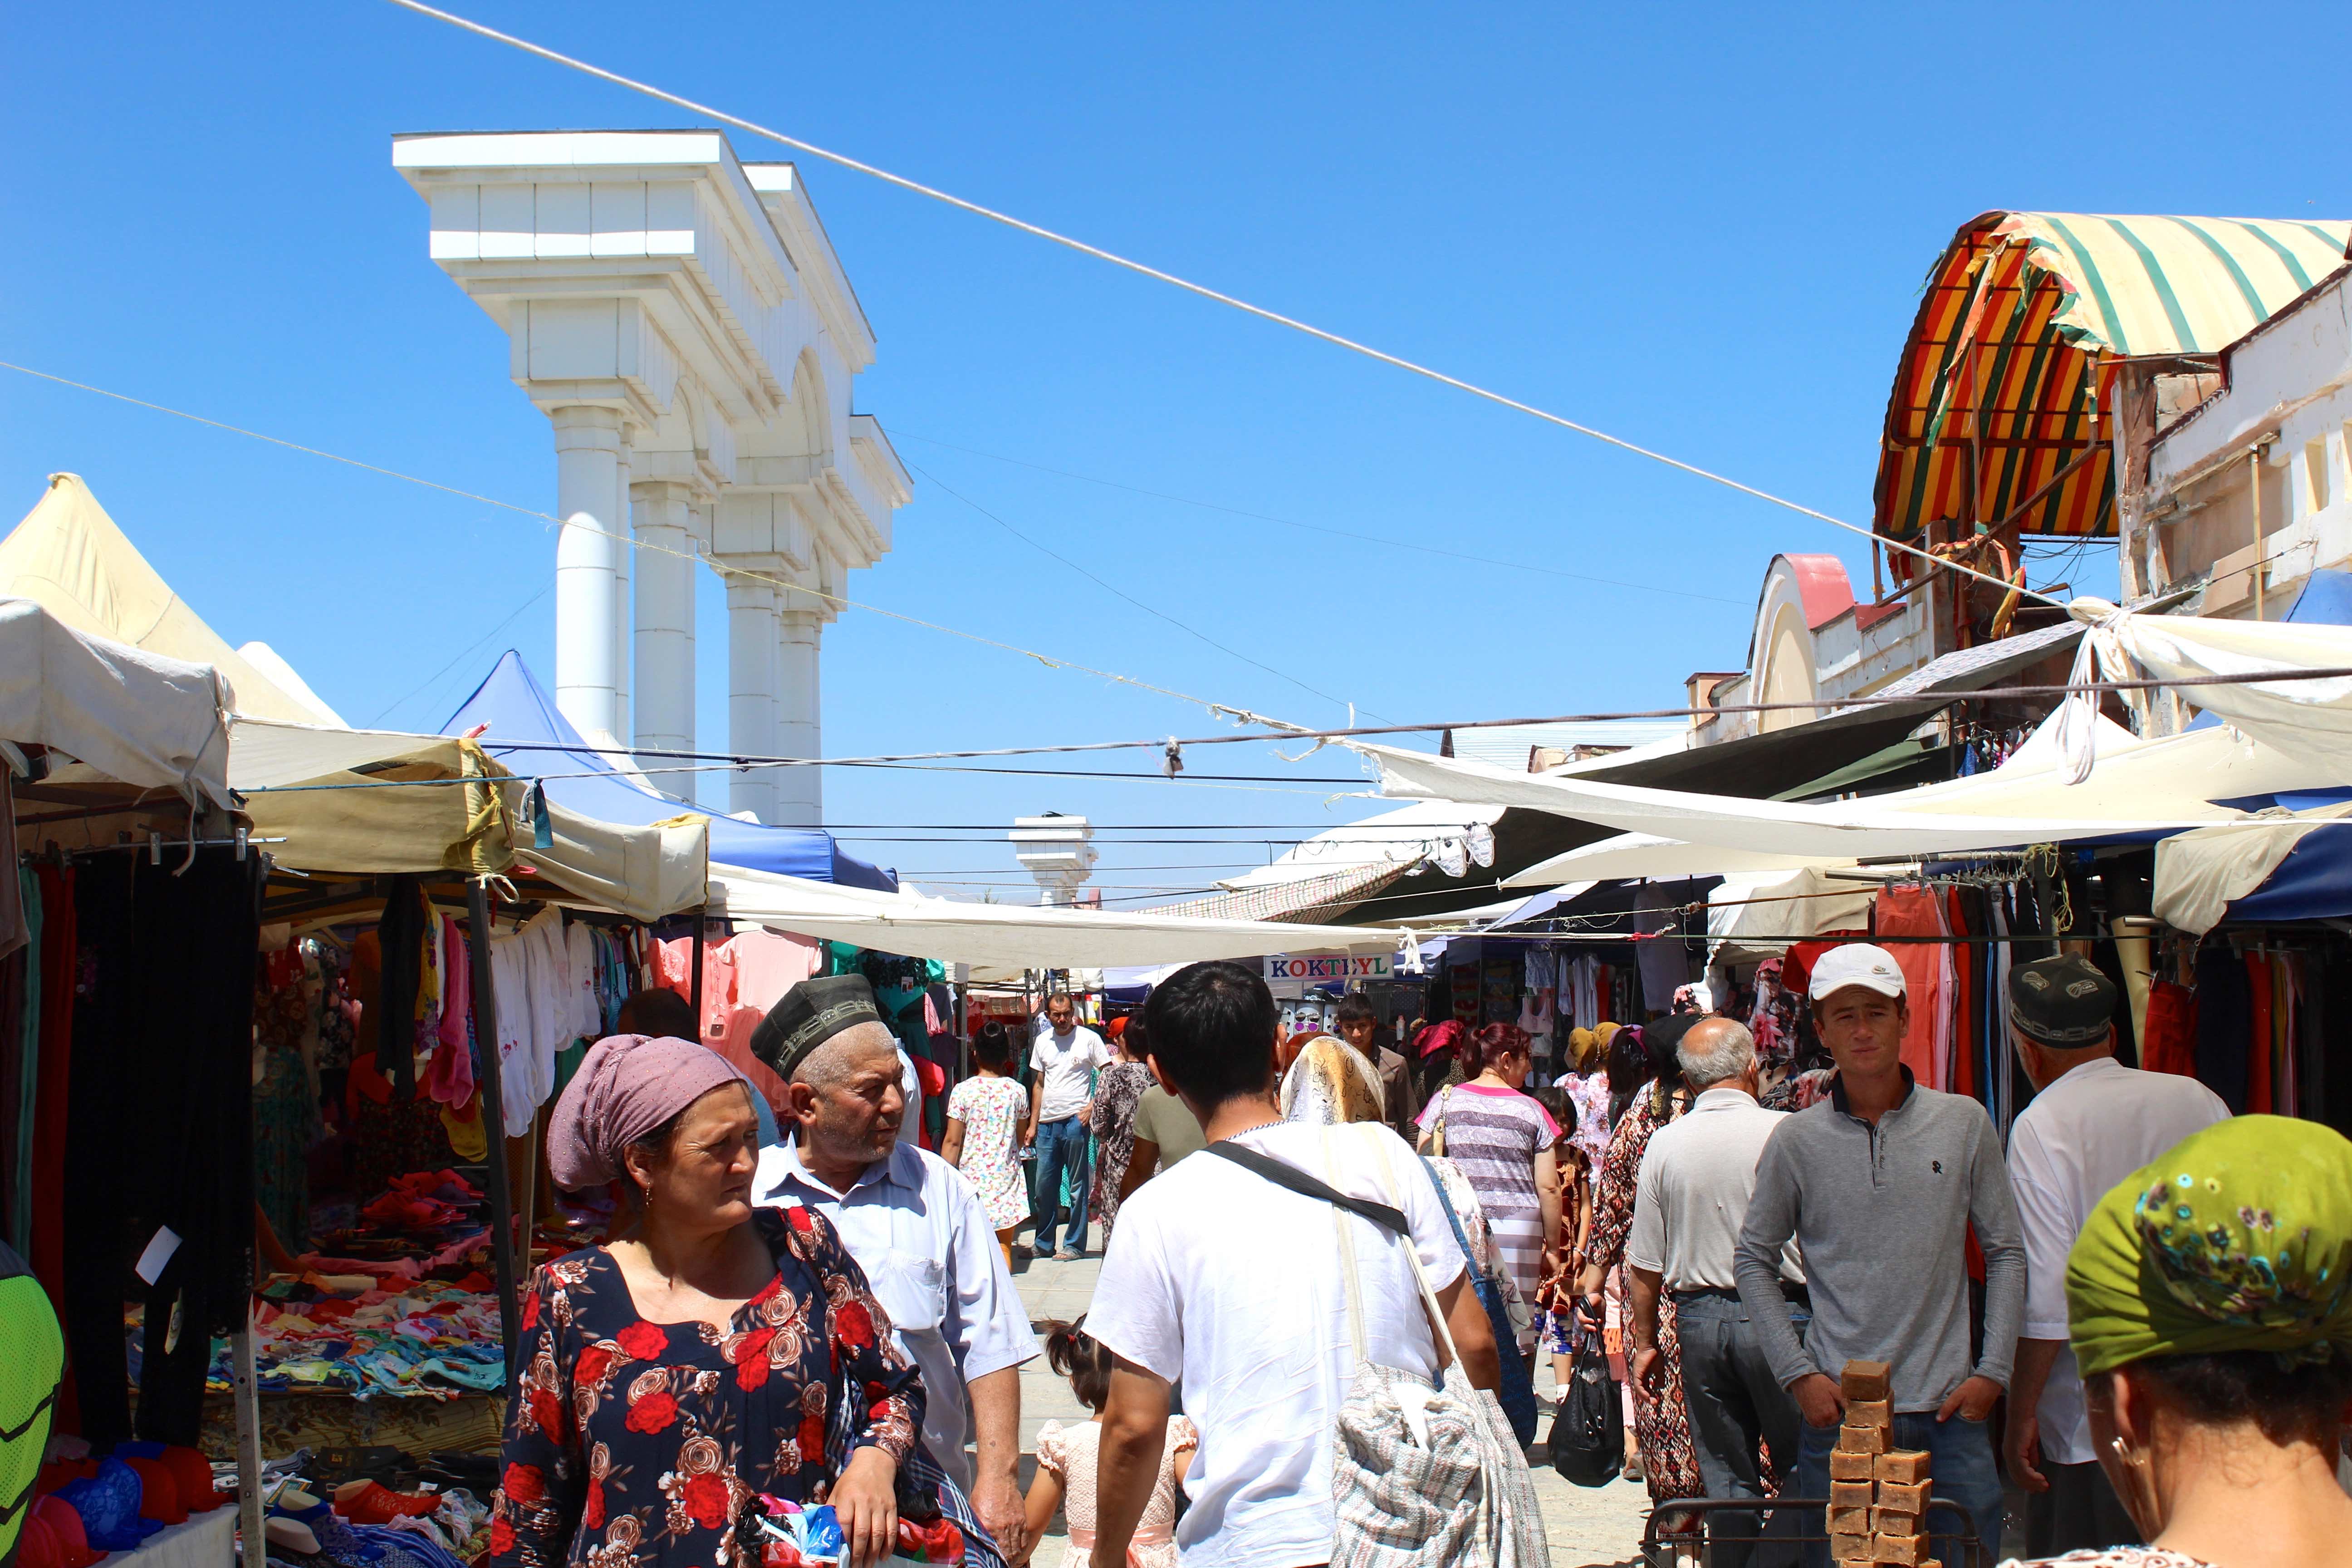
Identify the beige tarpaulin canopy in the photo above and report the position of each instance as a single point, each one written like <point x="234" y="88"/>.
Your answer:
<point x="68" y="557"/>
<point x="126" y="715"/>
<point x="1015" y="936"/>
<point x="369" y="800"/>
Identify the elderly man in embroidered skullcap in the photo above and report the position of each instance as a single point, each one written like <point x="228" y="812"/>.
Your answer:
<point x="913" y="1223"/>
<point x="2093" y="1122"/>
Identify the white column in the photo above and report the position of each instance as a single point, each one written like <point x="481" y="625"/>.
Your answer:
<point x="751" y="693"/>
<point x="799" y="721"/>
<point x="588" y="497"/>
<point x="664" y="682"/>
<point x="624" y="615"/>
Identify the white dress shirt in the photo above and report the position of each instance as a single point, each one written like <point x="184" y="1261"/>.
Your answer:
<point x="2081" y="1136"/>
<point x="916" y="1226"/>
<point x="1692" y="1195"/>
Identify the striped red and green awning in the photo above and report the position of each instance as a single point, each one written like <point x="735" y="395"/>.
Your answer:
<point x="1992" y="419"/>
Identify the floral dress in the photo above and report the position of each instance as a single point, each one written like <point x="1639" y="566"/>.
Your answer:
<point x="990" y="1110"/>
<point x="1118" y="1089"/>
<point x="1661" y="1420"/>
<point x="643" y="1445"/>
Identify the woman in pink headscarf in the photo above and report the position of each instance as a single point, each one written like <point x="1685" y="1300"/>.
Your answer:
<point x="711" y="1354"/>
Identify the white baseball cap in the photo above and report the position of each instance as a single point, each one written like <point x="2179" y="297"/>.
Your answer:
<point x="1856" y="963"/>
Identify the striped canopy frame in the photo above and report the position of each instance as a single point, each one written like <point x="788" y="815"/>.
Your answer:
<point x="1994" y="416"/>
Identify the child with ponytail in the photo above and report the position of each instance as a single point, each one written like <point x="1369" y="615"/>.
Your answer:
<point x="1065" y="1459"/>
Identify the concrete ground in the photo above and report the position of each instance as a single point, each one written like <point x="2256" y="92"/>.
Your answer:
<point x="1586" y="1527"/>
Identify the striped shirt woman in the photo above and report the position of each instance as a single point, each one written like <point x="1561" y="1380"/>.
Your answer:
<point x="1502" y="1142"/>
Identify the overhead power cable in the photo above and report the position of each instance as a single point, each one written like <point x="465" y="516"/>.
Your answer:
<point x="1116" y="592"/>
<point x="1203" y="290"/>
<point x="629" y="540"/>
<point x="1358" y="732"/>
<point x="1383" y="539"/>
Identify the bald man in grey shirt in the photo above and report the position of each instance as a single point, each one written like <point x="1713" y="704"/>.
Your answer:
<point x="1690" y="1201"/>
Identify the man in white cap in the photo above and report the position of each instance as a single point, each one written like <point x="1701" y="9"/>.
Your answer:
<point x="1879" y="1184"/>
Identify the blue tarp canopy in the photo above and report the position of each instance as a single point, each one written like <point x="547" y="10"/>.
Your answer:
<point x="521" y="713"/>
<point x="2313" y="882"/>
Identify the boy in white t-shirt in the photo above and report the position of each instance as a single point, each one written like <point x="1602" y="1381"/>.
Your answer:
<point x="1221" y="1280"/>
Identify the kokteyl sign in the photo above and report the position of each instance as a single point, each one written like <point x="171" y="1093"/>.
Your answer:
<point x="1337" y="966"/>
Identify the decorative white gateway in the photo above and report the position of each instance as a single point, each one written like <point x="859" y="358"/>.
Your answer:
<point x="683" y="320"/>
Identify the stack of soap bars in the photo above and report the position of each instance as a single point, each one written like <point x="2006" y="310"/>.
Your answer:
<point x="1878" y="1493"/>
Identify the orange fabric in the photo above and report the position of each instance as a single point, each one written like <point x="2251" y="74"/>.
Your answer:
<point x="1911" y="912"/>
<point x="1967" y="958"/>
<point x="2258" y="1046"/>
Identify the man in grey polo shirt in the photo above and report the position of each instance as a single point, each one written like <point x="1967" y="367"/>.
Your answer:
<point x="1690" y="1200"/>
<point x="1880" y="1184"/>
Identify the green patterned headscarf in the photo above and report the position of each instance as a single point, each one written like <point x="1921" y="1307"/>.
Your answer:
<point x="2240" y="1239"/>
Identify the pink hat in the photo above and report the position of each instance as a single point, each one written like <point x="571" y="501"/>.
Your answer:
<point x="627" y="1086"/>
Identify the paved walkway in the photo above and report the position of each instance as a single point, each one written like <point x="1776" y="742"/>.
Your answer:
<point x="1586" y="1527"/>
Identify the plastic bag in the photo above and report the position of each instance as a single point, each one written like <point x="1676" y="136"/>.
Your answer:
<point x="1588" y="1433"/>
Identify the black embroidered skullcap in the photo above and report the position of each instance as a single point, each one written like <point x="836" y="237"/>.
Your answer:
<point x="2064" y="1001"/>
<point x="811" y="1013"/>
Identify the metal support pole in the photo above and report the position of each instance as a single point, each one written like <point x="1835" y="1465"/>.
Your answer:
<point x="486" y="1035"/>
<point x="2254" y="488"/>
<point x="251" y="1523"/>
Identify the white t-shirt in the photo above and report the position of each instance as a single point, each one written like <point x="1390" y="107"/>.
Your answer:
<point x="1220" y="1280"/>
<point x="1063" y="1063"/>
<point x="2089" y="1130"/>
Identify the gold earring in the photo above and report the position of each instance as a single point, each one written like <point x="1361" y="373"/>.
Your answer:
<point x="2140" y="1501"/>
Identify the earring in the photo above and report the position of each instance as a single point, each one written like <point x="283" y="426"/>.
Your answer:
<point x="2139" y="1498"/>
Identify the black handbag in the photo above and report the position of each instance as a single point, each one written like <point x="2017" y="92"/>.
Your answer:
<point x="1588" y="1431"/>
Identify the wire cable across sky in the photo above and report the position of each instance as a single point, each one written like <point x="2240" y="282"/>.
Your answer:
<point x="1203" y="290"/>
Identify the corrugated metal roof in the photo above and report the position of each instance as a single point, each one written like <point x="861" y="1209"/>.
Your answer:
<point x="2022" y="320"/>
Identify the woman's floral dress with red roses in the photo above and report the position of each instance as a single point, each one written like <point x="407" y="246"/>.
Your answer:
<point x="634" y="1444"/>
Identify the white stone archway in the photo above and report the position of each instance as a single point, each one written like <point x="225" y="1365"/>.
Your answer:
<point x="680" y="316"/>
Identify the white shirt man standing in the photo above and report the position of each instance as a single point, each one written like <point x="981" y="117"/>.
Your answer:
<point x="1691" y="1198"/>
<point x="1061" y="1113"/>
<point x="2093" y="1122"/>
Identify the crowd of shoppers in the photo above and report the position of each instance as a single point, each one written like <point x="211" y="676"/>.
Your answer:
<point x="2162" y="1294"/>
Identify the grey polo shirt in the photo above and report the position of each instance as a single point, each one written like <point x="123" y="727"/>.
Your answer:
<point x="1692" y="1195"/>
<point x="1883" y="1215"/>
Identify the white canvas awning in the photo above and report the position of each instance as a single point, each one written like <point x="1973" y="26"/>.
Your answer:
<point x="137" y="718"/>
<point x="2199" y="875"/>
<point x="2310" y="720"/>
<point x="2158" y="785"/>
<point x="1757" y="914"/>
<point x="1014" y="936"/>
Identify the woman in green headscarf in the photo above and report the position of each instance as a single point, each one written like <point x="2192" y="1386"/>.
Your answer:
<point x="2210" y="1304"/>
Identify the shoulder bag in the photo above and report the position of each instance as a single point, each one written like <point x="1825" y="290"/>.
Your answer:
<point x="1517" y="1394"/>
<point x="1419" y="1474"/>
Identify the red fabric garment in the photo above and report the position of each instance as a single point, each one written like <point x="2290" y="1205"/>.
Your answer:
<point x="193" y="1473"/>
<point x="60" y="957"/>
<point x="2168" y="1038"/>
<point x="61" y="1472"/>
<point x="1797" y="966"/>
<point x="159" y="1492"/>
<point x="2258" y="1044"/>
<point x="1912" y="912"/>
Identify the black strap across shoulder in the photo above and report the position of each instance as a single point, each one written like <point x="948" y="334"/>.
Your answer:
<point x="1297" y="1181"/>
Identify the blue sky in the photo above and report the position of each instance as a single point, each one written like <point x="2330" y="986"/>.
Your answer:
<point x="1701" y="228"/>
